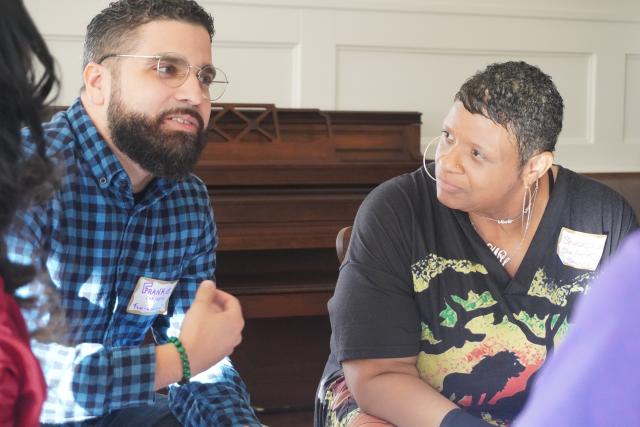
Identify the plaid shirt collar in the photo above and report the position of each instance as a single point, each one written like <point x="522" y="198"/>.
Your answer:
<point x="103" y="163"/>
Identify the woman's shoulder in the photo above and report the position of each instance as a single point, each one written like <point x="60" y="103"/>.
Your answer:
<point x="582" y="189"/>
<point x="588" y="201"/>
<point x="406" y="191"/>
<point x="397" y="206"/>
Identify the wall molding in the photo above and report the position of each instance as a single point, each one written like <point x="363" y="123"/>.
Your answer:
<point x="461" y="51"/>
<point x="630" y="98"/>
<point x="627" y="12"/>
<point x="65" y="38"/>
<point x="254" y="44"/>
<point x="589" y="73"/>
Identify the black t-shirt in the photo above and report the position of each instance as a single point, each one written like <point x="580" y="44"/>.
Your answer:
<point x="419" y="280"/>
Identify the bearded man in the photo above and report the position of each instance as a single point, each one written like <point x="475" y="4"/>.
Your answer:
<point x="129" y="238"/>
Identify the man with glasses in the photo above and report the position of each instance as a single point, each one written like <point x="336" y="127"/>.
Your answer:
<point x="129" y="237"/>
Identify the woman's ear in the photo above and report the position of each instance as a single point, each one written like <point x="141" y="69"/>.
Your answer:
<point x="536" y="167"/>
<point x="97" y="83"/>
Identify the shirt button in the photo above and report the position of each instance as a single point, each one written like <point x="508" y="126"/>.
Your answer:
<point x="103" y="181"/>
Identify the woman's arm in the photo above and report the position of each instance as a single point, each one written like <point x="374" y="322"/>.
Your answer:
<point x="392" y="389"/>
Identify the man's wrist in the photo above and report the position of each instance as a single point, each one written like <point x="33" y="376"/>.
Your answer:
<point x="168" y="365"/>
<point x="186" y="366"/>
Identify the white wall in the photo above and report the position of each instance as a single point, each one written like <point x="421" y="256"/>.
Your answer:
<point x="413" y="55"/>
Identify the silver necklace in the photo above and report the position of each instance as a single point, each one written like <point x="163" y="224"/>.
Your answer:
<point x="525" y="211"/>
<point x="502" y="254"/>
<point x="501" y="220"/>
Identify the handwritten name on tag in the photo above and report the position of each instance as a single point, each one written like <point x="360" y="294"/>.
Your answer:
<point x="151" y="296"/>
<point x="580" y="250"/>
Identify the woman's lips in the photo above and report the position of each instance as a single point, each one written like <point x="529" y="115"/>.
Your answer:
<point x="448" y="187"/>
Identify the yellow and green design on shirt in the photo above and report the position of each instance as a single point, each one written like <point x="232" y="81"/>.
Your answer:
<point x="480" y="349"/>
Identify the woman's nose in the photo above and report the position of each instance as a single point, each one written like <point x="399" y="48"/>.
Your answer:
<point x="448" y="159"/>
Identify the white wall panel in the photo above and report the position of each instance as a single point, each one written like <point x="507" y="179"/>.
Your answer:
<point x="436" y="77"/>
<point x="632" y="100"/>
<point x="250" y="23"/>
<point x="259" y="72"/>
<point x="68" y="53"/>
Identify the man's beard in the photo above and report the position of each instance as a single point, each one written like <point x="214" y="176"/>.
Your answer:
<point x="168" y="154"/>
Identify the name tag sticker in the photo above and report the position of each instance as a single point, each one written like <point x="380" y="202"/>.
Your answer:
<point x="150" y="297"/>
<point x="580" y="250"/>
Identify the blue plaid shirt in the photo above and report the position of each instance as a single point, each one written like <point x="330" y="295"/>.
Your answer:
<point x="96" y="241"/>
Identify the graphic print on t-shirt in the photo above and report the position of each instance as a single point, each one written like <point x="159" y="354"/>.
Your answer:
<point x="478" y="352"/>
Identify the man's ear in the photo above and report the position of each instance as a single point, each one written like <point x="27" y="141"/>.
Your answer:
<point x="536" y="167"/>
<point x="97" y="83"/>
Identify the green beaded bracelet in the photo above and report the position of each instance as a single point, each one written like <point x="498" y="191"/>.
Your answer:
<point x="186" y="368"/>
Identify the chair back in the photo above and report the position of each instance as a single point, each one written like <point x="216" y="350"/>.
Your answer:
<point x="342" y="242"/>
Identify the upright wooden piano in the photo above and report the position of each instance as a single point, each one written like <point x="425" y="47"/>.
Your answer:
<point x="283" y="182"/>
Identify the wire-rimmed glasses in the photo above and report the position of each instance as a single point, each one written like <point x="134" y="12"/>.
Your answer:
<point x="173" y="69"/>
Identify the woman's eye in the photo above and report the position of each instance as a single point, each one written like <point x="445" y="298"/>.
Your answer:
<point x="447" y="136"/>
<point x="475" y="153"/>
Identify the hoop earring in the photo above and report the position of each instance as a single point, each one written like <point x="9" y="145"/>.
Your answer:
<point x="424" y="158"/>
<point x="528" y="211"/>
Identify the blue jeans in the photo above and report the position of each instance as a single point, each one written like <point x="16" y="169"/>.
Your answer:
<point x="156" y="415"/>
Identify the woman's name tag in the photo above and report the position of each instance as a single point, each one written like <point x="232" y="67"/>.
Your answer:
<point x="151" y="296"/>
<point x="580" y="250"/>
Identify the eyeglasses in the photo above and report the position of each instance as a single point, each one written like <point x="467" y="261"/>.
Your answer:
<point x="173" y="69"/>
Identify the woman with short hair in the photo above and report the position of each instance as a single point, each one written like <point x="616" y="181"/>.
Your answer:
<point x="461" y="276"/>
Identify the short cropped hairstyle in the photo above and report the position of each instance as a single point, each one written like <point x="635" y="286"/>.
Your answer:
<point x="522" y="99"/>
<point x="112" y="28"/>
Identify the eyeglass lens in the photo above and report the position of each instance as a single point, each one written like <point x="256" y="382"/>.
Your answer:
<point x="174" y="69"/>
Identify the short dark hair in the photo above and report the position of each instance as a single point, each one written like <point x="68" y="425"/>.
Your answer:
<point x="113" y="26"/>
<point x="522" y="99"/>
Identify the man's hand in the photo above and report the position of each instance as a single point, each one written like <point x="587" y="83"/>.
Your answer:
<point x="211" y="328"/>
